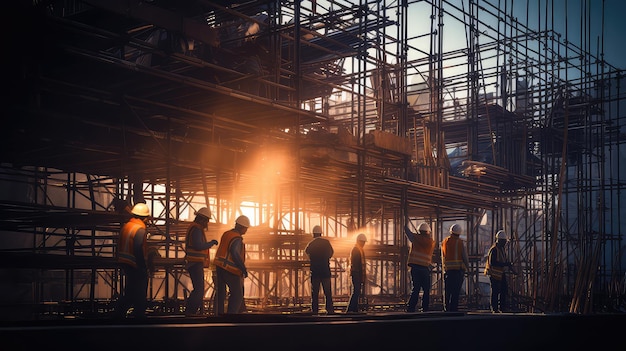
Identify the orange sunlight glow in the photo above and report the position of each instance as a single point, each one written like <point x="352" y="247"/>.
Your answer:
<point x="269" y="167"/>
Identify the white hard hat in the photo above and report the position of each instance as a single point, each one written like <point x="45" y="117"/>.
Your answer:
<point x="317" y="230"/>
<point x="501" y="235"/>
<point x="424" y="227"/>
<point x="204" y="212"/>
<point x="455" y="229"/>
<point x="361" y="237"/>
<point x="243" y="221"/>
<point x="141" y="210"/>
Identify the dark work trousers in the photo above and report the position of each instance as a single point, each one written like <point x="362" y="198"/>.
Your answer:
<point x="194" y="301"/>
<point x="315" y="294"/>
<point x="452" y="280"/>
<point x="499" y="291"/>
<point x="135" y="292"/>
<point x="235" y="287"/>
<point x="353" y="304"/>
<point x="421" y="279"/>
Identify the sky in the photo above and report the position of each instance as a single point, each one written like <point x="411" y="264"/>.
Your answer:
<point x="614" y="25"/>
<point x="611" y="28"/>
<point x="615" y="32"/>
<point x="614" y="21"/>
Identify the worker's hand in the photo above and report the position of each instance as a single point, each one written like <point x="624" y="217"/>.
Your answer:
<point x="214" y="242"/>
<point x="245" y="273"/>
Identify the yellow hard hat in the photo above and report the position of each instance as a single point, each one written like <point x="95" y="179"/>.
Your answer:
<point x="361" y="237"/>
<point x="455" y="229"/>
<point x="501" y="235"/>
<point x="204" y="212"/>
<point x="141" y="210"/>
<point x="243" y="221"/>
<point x="424" y="227"/>
<point x="317" y="230"/>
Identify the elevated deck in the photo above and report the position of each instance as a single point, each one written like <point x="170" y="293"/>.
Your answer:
<point x="365" y="331"/>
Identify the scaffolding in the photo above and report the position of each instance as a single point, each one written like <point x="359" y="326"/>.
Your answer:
<point x="359" y="116"/>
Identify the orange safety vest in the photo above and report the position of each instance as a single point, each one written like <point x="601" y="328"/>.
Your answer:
<point x="191" y="254"/>
<point x="223" y="258"/>
<point x="125" y="244"/>
<point x="496" y="272"/>
<point x="422" y="249"/>
<point x="452" y="253"/>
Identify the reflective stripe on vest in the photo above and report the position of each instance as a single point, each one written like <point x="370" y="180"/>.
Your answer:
<point x="452" y="253"/>
<point x="495" y="272"/>
<point x="125" y="245"/>
<point x="223" y="256"/>
<point x="422" y="250"/>
<point x="191" y="254"/>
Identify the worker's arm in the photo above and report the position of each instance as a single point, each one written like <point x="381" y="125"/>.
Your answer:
<point x="355" y="260"/>
<point x="138" y="247"/>
<point x="409" y="234"/>
<point x="235" y="249"/>
<point x="465" y="259"/>
<point x="196" y="240"/>
<point x="331" y="251"/>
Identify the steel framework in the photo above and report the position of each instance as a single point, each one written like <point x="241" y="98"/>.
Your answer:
<point x="360" y="116"/>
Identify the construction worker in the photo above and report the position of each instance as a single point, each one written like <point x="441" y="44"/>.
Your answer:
<point x="230" y="268"/>
<point x="132" y="254"/>
<point x="496" y="268"/>
<point x="357" y="272"/>
<point x="420" y="259"/>
<point x="197" y="258"/>
<point x="455" y="263"/>
<point x="320" y="251"/>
